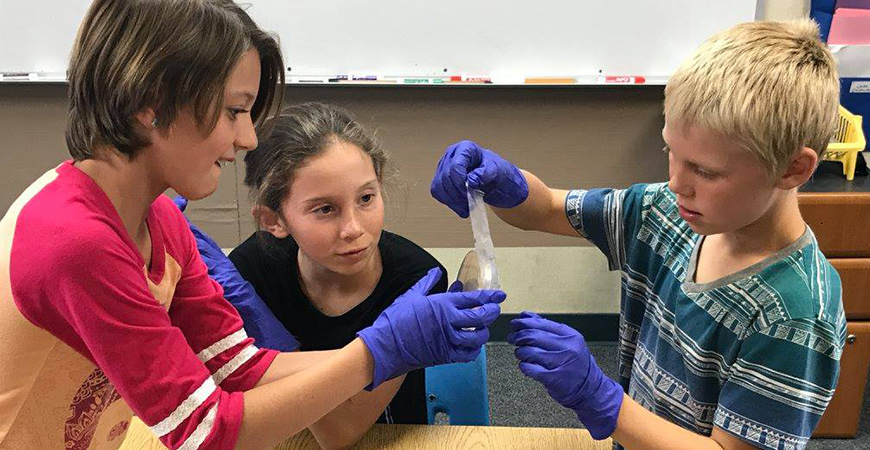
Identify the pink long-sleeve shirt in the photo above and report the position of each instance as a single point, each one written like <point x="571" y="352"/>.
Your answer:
<point x="90" y="336"/>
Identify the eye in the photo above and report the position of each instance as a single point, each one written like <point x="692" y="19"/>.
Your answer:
<point x="367" y="198"/>
<point x="324" y="210"/>
<point x="707" y="175"/>
<point x="234" y="112"/>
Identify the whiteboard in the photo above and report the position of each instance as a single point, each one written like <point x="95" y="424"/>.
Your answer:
<point x="497" y="38"/>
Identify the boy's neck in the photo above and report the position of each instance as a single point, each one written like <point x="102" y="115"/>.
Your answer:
<point x="334" y="293"/>
<point x="780" y="226"/>
<point x="725" y="254"/>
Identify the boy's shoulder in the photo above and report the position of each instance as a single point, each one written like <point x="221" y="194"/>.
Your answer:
<point x="806" y="285"/>
<point x="658" y="202"/>
<point x="652" y="204"/>
<point x="658" y="228"/>
<point x="796" y="289"/>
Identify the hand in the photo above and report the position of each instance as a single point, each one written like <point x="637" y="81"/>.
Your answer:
<point x="556" y="355"/>
<point x="420" y="330"/>
<point x="259" y="322"/>
<point x="502" y="183"/>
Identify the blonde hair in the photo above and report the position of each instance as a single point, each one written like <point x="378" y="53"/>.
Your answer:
<point x="771" y="86"/>
<point x="167" y="55"/>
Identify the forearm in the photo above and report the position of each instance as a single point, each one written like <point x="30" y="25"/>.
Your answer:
<point x="289" y="363"/>
<point x="637" y="429"/>
<point x="543" y="210"/>
<point x="347" y="423"/>
<point x="286" y="406"/>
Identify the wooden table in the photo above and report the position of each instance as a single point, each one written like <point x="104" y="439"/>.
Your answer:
<point x="422" y="437"/>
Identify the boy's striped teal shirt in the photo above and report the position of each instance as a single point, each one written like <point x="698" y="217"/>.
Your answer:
<point x="755" y="353"/>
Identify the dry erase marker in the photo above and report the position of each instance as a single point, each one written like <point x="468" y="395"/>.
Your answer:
<point x="417" y="80"/>
<point x="621" y="79"/>
<point x="470" y="79"/>
<point x="364" y="78"/>
<point x="17" y="76"/>
<point x="313" y="80"/>
<point x="550" y="80"/>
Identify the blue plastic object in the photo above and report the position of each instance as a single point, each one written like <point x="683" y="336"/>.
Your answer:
<point x="822" y="11"/>
<point x="459" y="390"/>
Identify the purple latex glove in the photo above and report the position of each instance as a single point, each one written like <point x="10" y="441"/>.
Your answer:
<point x="420" y="330"/>
<point x="259" y="322"/>
<point x="556" y="355"/>
<point x="502" y="183"/>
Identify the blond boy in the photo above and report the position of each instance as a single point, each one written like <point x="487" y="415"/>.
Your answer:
<point x="731" y="324"/>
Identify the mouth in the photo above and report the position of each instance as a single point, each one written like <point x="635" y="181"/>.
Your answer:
<point x="687" y="214"/>
<point x="353" y="253"/>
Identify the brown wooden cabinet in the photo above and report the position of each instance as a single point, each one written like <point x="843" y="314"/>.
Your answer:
<point x="843" y="413"/>
<point x="855" y="277"/>
<point x="841" y="222"/>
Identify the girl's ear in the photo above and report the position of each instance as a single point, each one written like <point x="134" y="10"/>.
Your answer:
<point x="270" y="221"/>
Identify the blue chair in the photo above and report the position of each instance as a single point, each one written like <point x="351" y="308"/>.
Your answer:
<point x="459" y="390"/>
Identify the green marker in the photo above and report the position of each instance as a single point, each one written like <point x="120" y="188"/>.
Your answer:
<point x="423" y="80"/>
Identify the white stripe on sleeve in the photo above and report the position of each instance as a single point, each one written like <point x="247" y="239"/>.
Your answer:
<point x="185" y="409"/>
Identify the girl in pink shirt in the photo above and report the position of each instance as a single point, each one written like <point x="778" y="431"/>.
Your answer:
<point x="106" y="309"/>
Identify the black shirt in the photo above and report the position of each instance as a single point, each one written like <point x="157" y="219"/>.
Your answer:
<point x="271" y="266"/>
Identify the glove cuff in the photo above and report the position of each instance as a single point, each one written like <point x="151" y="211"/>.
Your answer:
<point x="600" y="411"/>
<point x="522" y="186"/>
<point x="380" y="347"/>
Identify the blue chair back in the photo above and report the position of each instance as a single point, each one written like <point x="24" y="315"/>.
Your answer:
<point x="459" y="390"/>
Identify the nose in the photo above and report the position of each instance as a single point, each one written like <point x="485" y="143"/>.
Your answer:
<point x="678" y="181"/>
<point x="246" y="134"/>
<point x="351" y="228"/>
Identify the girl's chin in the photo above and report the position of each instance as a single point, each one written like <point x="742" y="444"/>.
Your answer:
<point x="349" y="267"/>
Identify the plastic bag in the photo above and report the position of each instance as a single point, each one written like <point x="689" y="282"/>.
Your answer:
<point x="488" y="276"/>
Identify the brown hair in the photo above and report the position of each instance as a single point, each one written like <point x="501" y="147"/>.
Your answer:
<point x="297" y="134"/>
<point x="167" y="55"/>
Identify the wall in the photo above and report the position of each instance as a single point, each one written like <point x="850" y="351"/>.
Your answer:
<point x="569" y="136"/>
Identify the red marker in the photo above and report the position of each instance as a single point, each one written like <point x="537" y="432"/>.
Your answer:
<point x="622" y="79"/>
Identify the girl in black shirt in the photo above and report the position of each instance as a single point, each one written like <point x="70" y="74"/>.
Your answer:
<point x="322" y="263"/>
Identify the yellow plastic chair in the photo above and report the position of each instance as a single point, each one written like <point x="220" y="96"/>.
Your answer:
<point x="847" y="143"/>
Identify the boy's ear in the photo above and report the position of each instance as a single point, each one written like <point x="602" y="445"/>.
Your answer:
<point x="799" y="169"/>
<point x="270" y="221"/>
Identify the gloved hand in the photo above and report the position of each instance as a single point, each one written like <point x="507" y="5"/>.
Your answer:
<point x="420" y="330"/>
<point x="259" y="322"/>
<point x="502" y="183"/>
<point x="556" y="355"/>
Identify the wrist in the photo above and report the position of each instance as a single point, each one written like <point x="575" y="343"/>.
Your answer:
<point x="378" y="345"/>
<point x="368" y="358"/>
